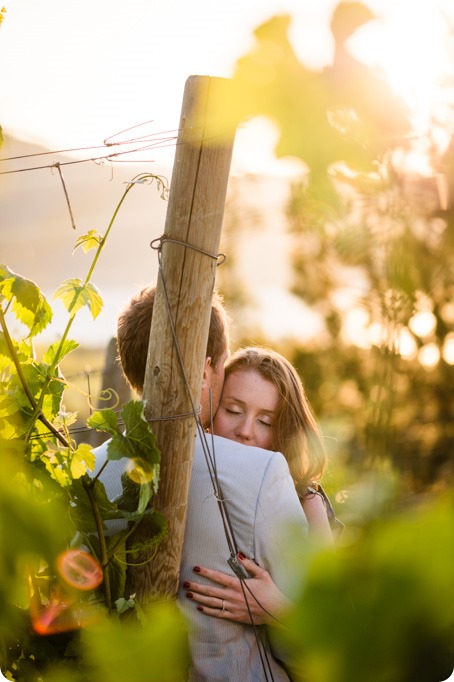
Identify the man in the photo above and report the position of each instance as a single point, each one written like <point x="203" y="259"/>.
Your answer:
<point x="251" y="502"/>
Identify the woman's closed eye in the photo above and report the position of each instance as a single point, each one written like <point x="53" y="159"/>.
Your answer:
<point x="229" y="410"/>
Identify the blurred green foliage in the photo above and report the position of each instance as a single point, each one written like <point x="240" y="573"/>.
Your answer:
<point x="118" y="653"/>
<point x="372" y="251"/>
<point x="382" y="606"/>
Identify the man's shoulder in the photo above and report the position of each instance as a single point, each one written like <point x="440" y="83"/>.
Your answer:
<point x="101" y="449"/>
<point x="232" y="453"/>
<point x="100" y="454"/>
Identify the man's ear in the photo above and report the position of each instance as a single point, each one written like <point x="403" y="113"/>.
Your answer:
<point x="207" y="372"/>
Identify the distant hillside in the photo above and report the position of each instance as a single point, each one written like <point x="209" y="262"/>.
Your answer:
<point x="37" y="239"/>
<point x="36" y="235"/>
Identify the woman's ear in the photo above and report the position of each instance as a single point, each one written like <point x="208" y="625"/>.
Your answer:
<point x="207" y="372"/>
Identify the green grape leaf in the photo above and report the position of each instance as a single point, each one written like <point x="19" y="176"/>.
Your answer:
<point x="65" y="419"/>
<point x="5" y="272"/>
<point x="93" y="299"/>
<point x="118" y="447"/>
<point x="104" y="420"/>
<point x="63" y="350"/>
<point x="66" y="465"/>
<point x="59" y="472"/>
<point x="75" y="295"/>
<point x="22" y="350"/>
<point x="81" y="460"/>
<point x="28" y="303"/>
<point x="89" y="241"/>
<point x="82" y="511"/>
<point x="141" y="439"/>
<point x="52" y="399"/>
<point x="5" y="355"/>
<point x="123" y="605"/>
<point x="11" y="417"/>
<point x="137" y="442"/>
<point x="144" y="498"/>
<point x="28" y="525"/>
<point x="34" y="377"/>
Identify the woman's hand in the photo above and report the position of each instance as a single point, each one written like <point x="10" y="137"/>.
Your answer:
<point x="227" y="597"/>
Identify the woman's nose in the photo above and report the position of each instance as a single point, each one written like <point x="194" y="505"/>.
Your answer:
<point x="245" y="429"/>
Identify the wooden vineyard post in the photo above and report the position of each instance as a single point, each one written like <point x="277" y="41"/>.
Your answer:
<point x="194" y="217"/>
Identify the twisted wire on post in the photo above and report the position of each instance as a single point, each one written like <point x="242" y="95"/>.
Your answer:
<point x="171" y="417"/>
<point x="220" y="257"/>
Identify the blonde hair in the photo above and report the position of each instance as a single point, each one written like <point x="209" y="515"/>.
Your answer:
<point x="295" y="429"/>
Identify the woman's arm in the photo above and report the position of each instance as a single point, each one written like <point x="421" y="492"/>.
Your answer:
<point x="226" y="598"/>
<point x="317" y="519"/>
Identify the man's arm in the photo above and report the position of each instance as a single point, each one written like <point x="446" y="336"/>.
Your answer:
<point x="111" y="471"/>
<point x="277" y="507"/>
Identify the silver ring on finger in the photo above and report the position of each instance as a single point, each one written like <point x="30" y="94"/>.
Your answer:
<point x="223" y="606"/>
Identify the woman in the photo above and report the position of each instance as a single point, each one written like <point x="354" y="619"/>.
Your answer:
<point x="263" y="404"/>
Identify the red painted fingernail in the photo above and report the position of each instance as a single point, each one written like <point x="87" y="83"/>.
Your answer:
<point x="196" y="569"/>
<point x="189" y="595"/>
<point x="200" y="608"/>
<point x="241" y="555"/>
<point x="186" y="584"/>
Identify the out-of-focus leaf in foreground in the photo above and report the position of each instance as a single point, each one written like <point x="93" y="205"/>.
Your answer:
<point x="382" y="606"/>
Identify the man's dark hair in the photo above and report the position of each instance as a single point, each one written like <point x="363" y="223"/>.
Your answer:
<point x="133" y="335"/>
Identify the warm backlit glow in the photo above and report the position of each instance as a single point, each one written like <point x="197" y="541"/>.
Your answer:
<point x="448" y="349"/>
<point x="423" y="323"/>
<point x="79" y="569"/>
<point x="355" y="327"/>
<point x="140" y="471"/>
<point x="63" y="610"/>
<point x="406" y="345"/>
<point x="429" y="355"/>
<point x="44" y="621"/>
<point x="409" y="43"/>
<point x="447" y="313"/>
<point x="61" y="614"/>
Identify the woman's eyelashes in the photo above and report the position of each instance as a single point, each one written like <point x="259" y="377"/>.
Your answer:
<point x="264" y="423"/>
<point x="239" y="413"/>
<point x="229" y="410"/>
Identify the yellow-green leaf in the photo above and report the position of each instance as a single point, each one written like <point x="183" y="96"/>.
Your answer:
<point x="63" y="349"/>
<point x="104" y="420"/>
<point x="28" y="303"/>
<point x="89" y="241"/>
<point x="82" y="459"/>
<point x="75" y="295"/>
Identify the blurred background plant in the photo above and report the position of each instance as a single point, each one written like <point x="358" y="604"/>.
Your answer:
<point x="372" y="250"/>
<point x="379" y="608"/>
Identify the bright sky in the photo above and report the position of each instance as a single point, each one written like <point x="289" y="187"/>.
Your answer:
<point x="74" y="73"/>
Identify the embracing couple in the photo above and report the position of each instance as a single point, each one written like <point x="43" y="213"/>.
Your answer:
<point x="266" y="455"/>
